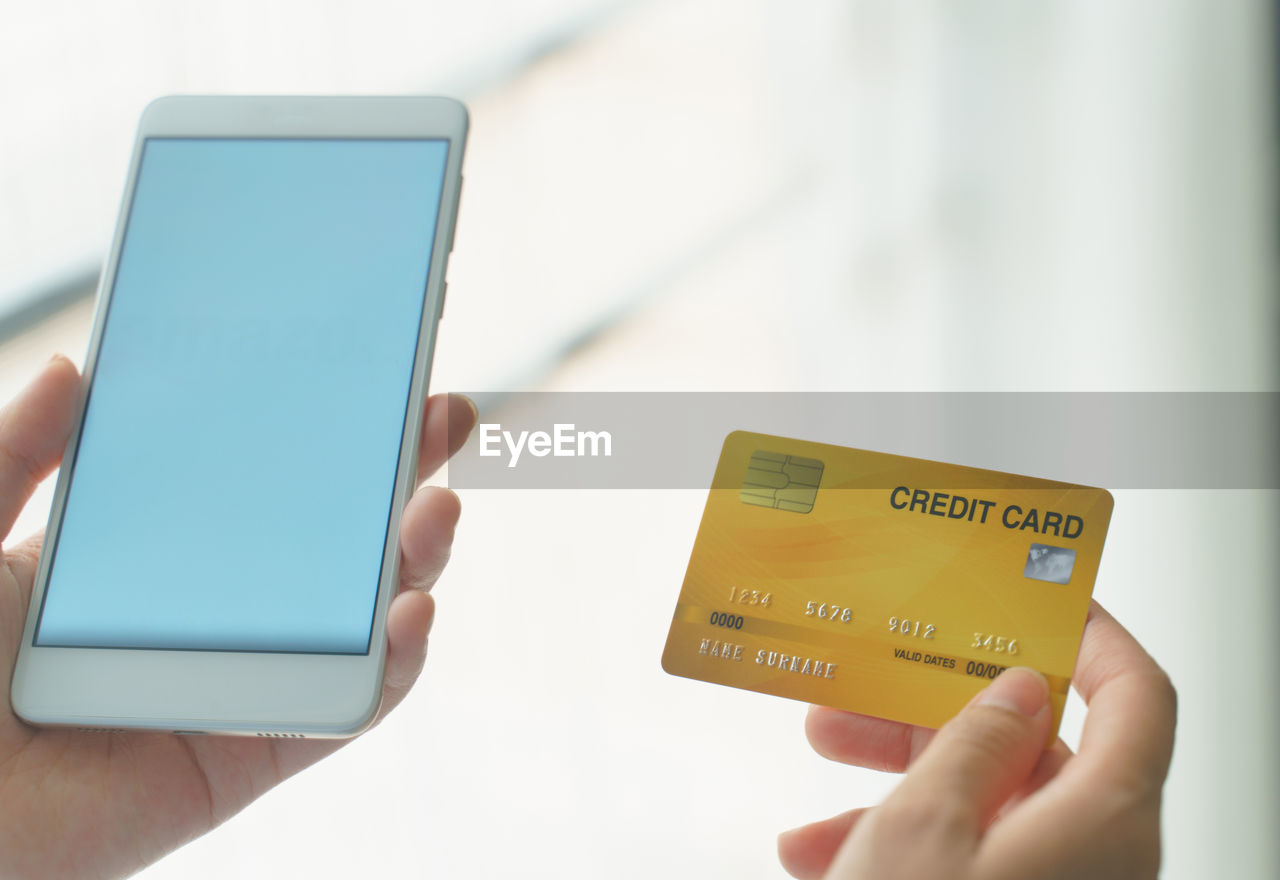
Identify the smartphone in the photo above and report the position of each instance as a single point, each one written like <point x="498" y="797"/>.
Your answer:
<point x="223" y="542"/>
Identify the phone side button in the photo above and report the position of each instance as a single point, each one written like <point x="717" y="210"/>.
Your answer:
<point x="444" y="294"/>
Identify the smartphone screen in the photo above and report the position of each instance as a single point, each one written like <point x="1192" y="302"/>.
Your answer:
<point x="233" y="482"/>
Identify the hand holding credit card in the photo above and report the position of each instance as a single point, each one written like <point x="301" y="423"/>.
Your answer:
<point x="885" y="585"/>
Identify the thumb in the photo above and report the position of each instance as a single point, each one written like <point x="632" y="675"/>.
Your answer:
<point x="33" y="431"/>
<point x="984" y="754"/>
<point x="976" y="762"/>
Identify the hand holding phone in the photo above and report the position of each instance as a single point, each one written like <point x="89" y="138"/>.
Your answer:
<point x="76" y="802"/>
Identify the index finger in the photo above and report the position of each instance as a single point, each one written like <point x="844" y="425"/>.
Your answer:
<point x="1128" y="731"/>
<point x="865" y="741"/>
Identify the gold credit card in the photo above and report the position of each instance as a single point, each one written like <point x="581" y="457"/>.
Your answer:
<point x="886" y="585"/>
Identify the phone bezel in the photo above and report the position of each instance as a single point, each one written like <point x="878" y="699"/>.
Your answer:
<point x="316" y="695"/>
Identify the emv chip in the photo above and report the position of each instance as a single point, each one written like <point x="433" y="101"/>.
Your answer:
<point x="784" y="482"/>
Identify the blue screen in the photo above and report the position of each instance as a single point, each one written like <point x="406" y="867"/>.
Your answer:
<point x="235" y="472"/>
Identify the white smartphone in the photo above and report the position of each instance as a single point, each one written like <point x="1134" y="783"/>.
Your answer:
<point x="223" y="542"/>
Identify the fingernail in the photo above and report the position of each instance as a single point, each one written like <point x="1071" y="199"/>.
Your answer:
<point x="475" y="410"/>
<point x="1019" y="689"/>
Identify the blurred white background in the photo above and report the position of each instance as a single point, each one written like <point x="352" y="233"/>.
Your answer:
<point x="867" y="195"/>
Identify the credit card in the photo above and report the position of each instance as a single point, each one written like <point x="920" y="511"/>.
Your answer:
<point x="890" y="586"/>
